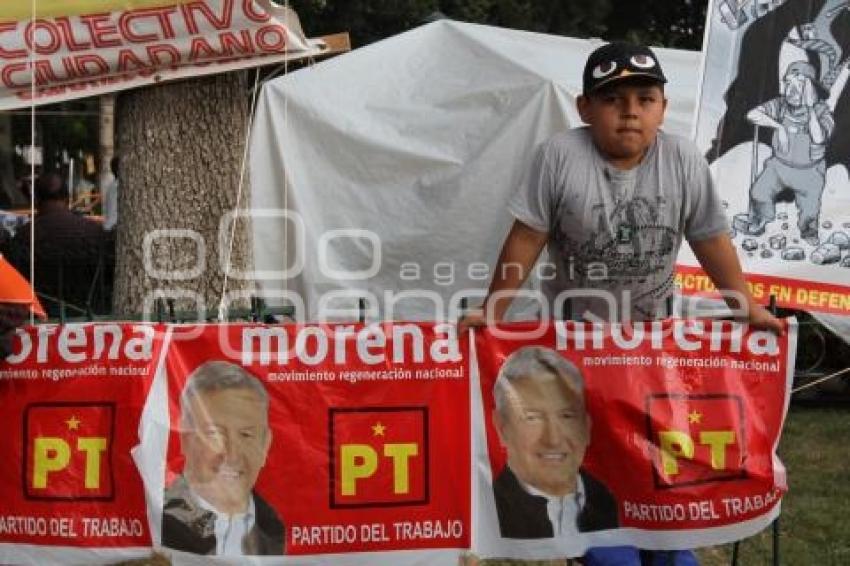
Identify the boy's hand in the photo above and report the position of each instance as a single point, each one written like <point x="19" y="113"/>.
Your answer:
<point x="759" y="317"/>
<point x="472" y="319"/>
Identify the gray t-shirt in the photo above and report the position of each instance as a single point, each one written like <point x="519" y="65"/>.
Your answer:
<point x="612" y="231"/>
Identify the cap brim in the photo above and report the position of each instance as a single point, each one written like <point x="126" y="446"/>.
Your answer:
<point x="15" y="290"/>
<point x="629" y="77"/>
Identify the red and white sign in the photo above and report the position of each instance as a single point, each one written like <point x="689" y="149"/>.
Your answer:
<point x="72" y="399"/>
<point x="370" y="426"/>
<point x="684" y="420"/>
<point x="89" y="47"/>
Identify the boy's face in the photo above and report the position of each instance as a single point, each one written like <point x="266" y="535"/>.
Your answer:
<point x="624" y="119"/>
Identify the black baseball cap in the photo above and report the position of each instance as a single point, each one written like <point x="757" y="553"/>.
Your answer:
<point x="619" y="61"/>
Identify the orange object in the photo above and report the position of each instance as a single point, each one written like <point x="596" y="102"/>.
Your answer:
<point x="14" y="289"/>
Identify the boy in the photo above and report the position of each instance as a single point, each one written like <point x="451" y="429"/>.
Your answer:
<point x="613" y="201"/>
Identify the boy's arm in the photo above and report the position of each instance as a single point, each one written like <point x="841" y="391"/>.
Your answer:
<point x="720" y="261"/>
<point x="521" y="249"/>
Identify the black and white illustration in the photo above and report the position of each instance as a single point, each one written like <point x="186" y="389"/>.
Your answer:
<point x="737" y="14"/>
<point x="775" y="125"/>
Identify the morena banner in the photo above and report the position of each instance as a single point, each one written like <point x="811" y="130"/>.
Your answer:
<point x="387" y="443"/>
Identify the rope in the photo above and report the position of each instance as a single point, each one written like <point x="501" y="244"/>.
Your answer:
<point x="222" y="311"/>
<point x="221" y="307"/>
<point x="32" y="168"/>
<point x="821" y="380"/>
<point x="286" y="180"/>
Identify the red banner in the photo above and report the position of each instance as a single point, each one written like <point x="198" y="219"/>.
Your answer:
<point x="353" y="442"/>
<point x="367" y="434"/>
<point x="667" y="427"/>
<point x="72" y="400"/>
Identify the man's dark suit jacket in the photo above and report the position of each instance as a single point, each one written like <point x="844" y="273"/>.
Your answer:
<point x="189" y="527"/>
<point x="523" y="515"/>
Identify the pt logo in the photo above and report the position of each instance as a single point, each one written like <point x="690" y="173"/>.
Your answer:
<point x="696" y="438"/>
<point x="68" y="451"/>
<point x="378" y="456"/>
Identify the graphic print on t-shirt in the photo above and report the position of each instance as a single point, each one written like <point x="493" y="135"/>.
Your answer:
<point x="629" y="246"/>
<point x="614" y="234"/>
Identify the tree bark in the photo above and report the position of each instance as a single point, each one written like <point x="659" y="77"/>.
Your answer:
<point x="181" y="146"/>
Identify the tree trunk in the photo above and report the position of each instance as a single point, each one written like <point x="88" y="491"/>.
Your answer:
<point x="181" y="147"/>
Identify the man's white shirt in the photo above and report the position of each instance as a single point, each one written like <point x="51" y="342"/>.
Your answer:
<point x="230" y="529"/>
<point x="563" y="511"/>
<point x="110" y="205"/>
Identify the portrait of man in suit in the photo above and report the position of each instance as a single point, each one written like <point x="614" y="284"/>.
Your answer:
<point x="541" y="420"/>
<point x="212" y="507"/>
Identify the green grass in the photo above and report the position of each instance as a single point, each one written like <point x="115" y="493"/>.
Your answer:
<point x="815" y="521"/>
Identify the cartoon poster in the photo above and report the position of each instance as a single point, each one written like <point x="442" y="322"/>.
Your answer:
<point x="773" y="122"/>
<point x="658" y="435"/>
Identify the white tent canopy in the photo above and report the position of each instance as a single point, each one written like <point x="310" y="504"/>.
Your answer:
<point x="399" y="158"/>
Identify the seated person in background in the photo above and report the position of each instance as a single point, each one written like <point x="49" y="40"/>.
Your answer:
<point x="110" y="198"/>
<point x="67" y="247"/>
